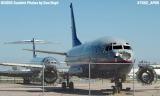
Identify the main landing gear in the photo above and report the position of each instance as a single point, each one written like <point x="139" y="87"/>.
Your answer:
<point x="68" y="84"/>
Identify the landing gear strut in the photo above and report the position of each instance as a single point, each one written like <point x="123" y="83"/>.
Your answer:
<point x="26" y="80"/>
<point x="68" y="84"/>
<point x="118" y="86"/>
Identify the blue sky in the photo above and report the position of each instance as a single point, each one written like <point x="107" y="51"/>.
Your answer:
<point x="137" y="24"/>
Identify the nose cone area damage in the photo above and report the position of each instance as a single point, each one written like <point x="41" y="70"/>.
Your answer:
<point x="124" y="56"/>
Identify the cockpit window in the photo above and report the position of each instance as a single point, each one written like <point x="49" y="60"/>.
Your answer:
<point x="127" y="47"/>
<point x="117" y="47"/>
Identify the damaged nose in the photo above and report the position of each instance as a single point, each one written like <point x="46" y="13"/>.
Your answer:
<point x="125" y="55"/>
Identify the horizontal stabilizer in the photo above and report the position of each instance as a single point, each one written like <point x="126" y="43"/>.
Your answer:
<point x="48" y="52"/>
<point x="28" y="42"/>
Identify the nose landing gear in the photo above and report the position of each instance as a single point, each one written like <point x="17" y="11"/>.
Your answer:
<point x="68" y="84"/>
<point x="118" y="85"/>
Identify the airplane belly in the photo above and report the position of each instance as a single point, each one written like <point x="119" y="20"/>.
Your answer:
<point x="100" y="70"/>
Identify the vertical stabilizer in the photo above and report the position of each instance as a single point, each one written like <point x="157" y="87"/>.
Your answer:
<point x="34" y="52"/>
<point x="75" y="40"/>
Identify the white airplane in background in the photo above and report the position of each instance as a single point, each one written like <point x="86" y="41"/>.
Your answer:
<point x="53" y="69"/>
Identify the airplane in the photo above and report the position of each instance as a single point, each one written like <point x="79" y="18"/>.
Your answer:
<point x="107" y="57"/>
<point x="53" y="69"/>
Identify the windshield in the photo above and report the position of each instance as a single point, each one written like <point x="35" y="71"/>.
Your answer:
<point x="117" y="47"/>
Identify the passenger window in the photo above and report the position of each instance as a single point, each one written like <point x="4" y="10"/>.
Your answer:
<point x="117" y="47"/>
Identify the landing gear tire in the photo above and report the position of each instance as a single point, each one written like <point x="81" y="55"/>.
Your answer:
<point x="71" y="85"/>
<point x="67" y="84"/>
<point x="118" y="86"/>
<point x="64" y="85"/>
<point x="114" y="90"/>
<point x="26" y="81"/>
<point x="118" y="89"/>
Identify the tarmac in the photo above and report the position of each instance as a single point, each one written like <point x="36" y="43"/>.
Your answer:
<point x="81" y="88"/>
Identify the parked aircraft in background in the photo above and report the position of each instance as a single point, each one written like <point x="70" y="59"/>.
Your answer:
<point x="108" y="58"/>
<point x="53" y="69"/>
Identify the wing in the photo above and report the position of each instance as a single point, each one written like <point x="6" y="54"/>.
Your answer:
<point x="19" y="73"/>
<point x="16" y="73"/>
<point x="22" y="65"/>
<point x="48" y="52"/>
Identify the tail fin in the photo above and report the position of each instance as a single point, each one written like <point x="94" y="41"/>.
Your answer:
<point x="34" y="52"/>
<point x="75" y="40"/>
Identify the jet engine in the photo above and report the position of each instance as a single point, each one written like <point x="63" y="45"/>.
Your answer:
<point x="146" y="74"/>
<point x="50" y="70"/>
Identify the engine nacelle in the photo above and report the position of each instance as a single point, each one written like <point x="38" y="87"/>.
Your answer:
<point x="146" y="75"/>
<point x="50" y="71"/>
<point x="50" y="75"/>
